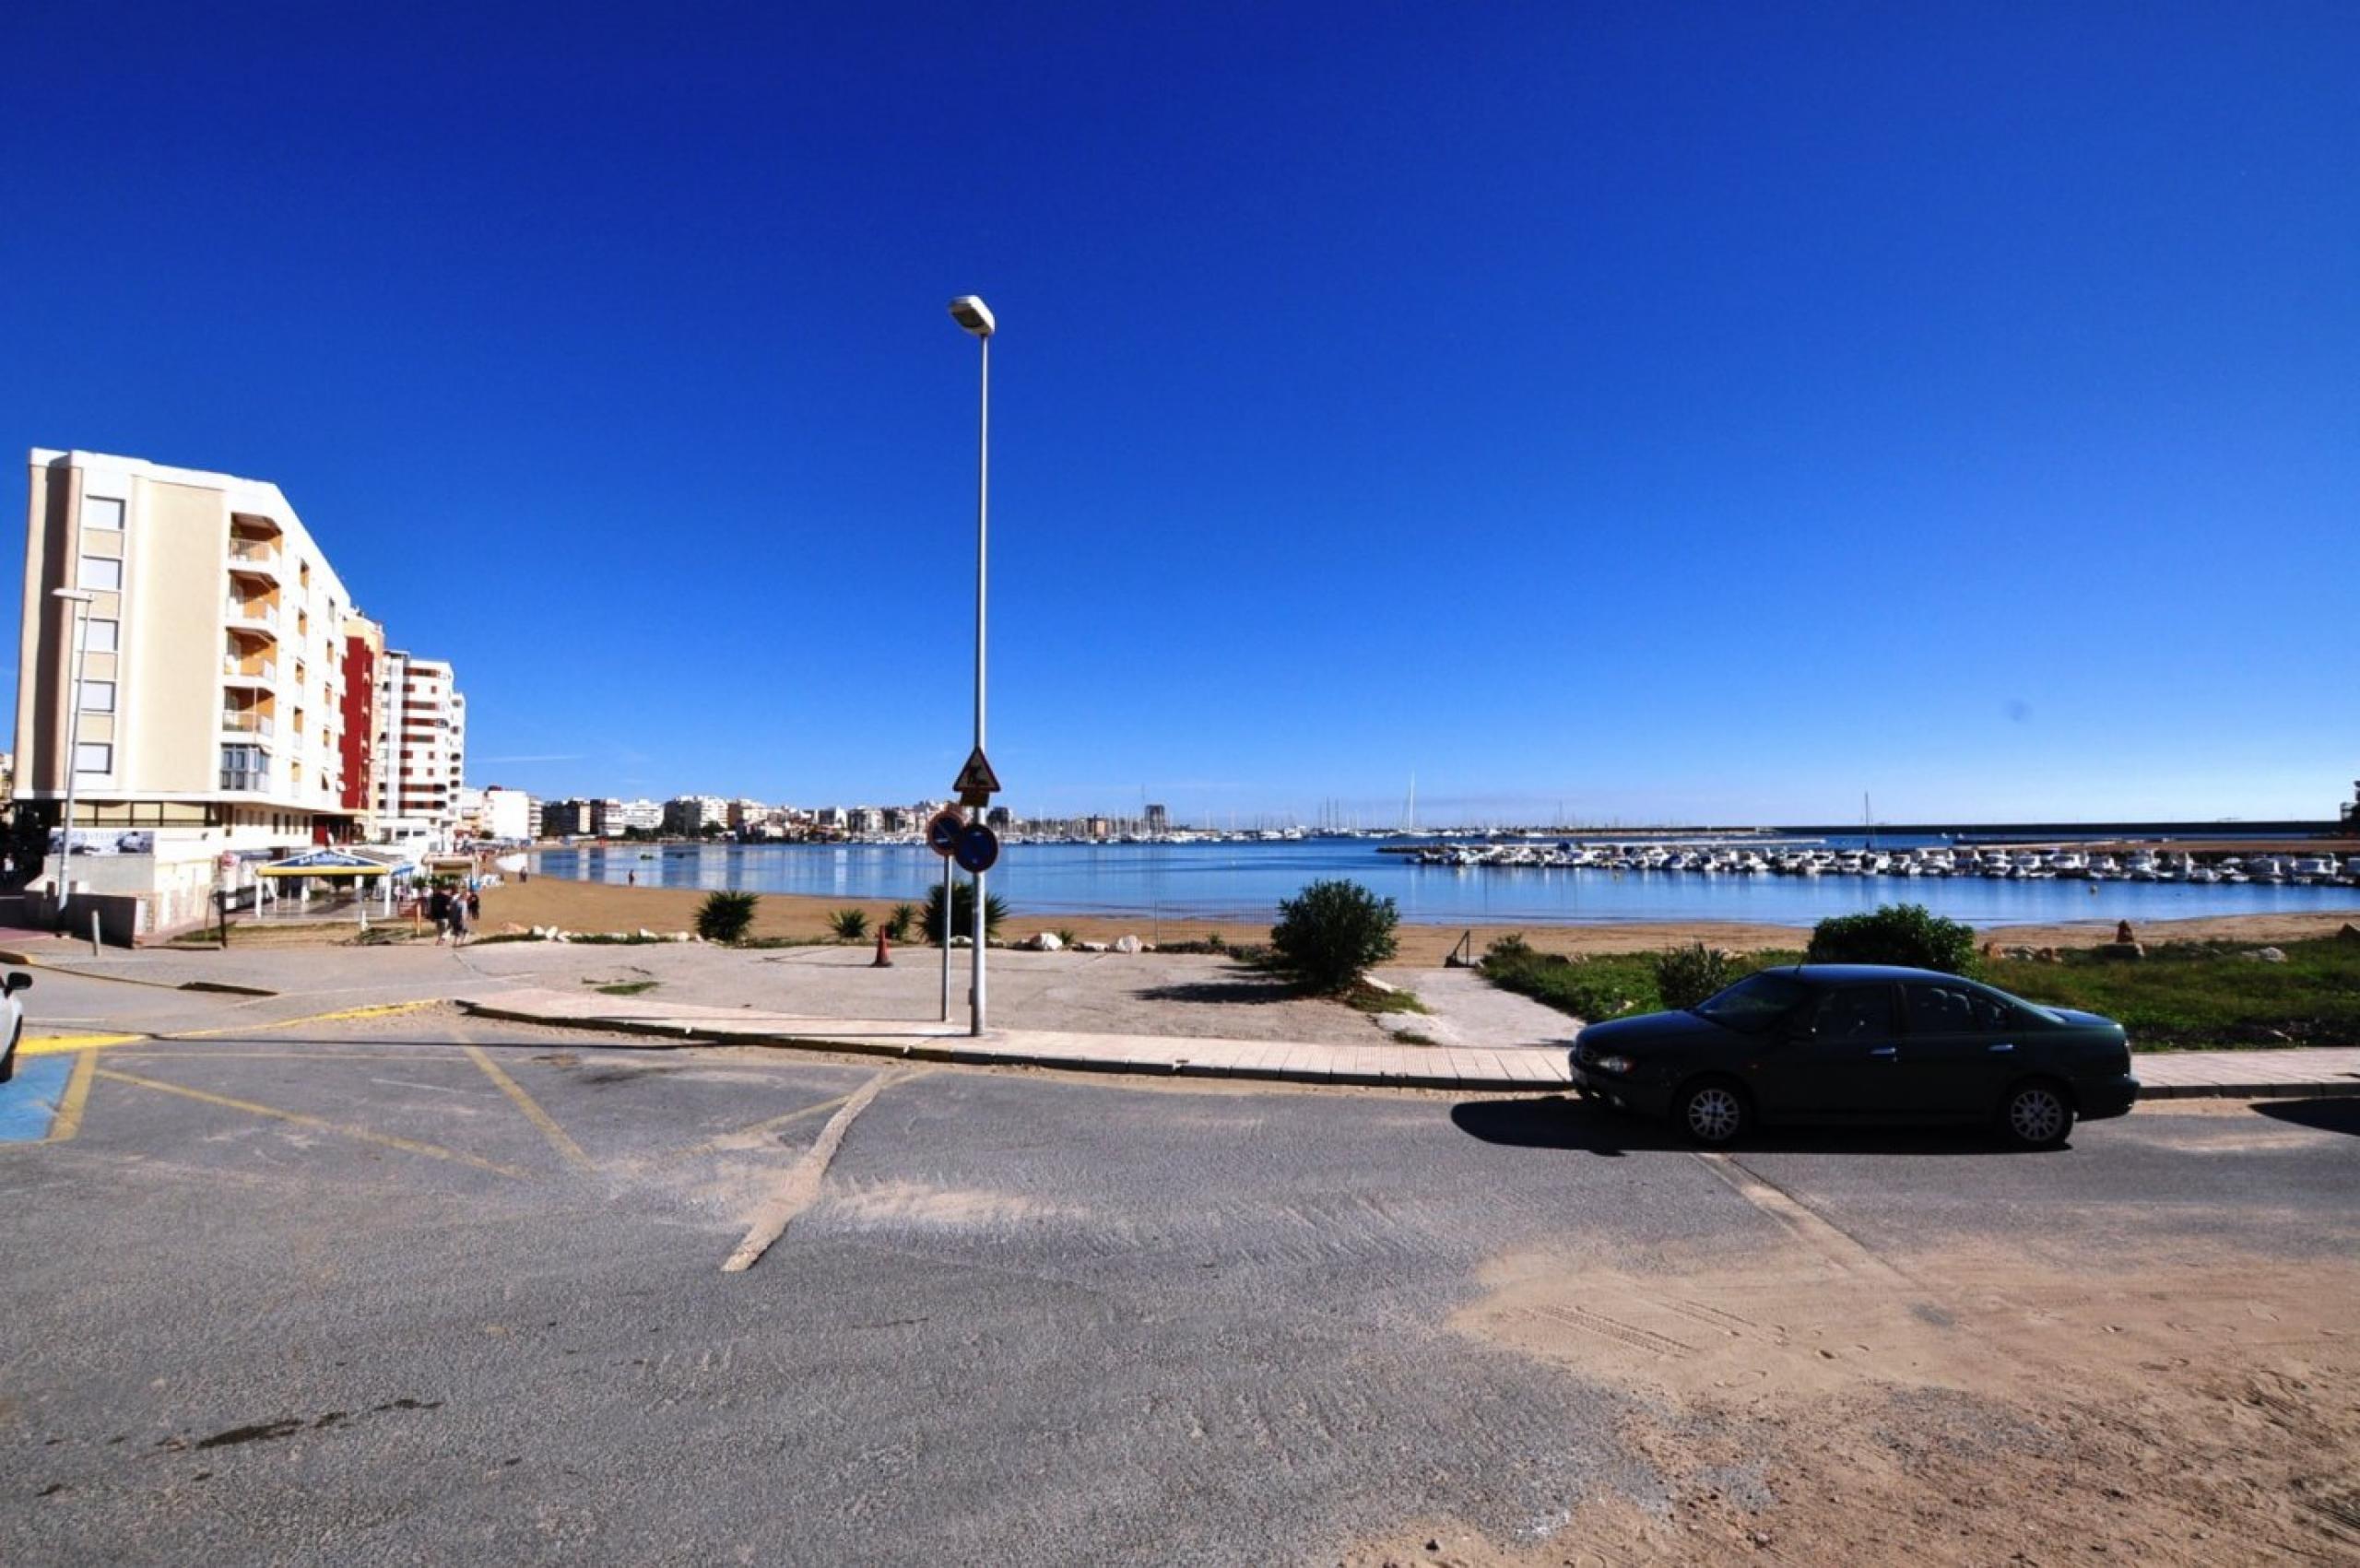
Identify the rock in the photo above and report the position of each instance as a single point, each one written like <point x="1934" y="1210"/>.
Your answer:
<point x="1147" y="948"/>
<point x="1046" y="942"/>
<point x="2121" y="950"/>
<point x="1127" y="944"/>
<point x="963" y="941"/>
<point x="2022" y="953"/>
<point x="2350" y="933"/>
<point x="2269" y="954"/>
<point x="2048" y="955"/>
<point x="645" y="935"/>
<point x="1090" y="947"/>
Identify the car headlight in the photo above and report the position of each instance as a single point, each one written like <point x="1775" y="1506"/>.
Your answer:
<point x="1610" y="1063"/>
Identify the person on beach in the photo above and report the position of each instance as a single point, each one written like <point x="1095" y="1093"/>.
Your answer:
<point x="458" y="920"/>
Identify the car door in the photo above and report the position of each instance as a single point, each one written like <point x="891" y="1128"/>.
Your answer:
<point x="1842" y="1061"/>
<point x="1955" y="1051"/>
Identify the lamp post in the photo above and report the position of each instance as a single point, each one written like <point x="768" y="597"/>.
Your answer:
<point x="80" y="598"/>
<point x="973" y="316"/>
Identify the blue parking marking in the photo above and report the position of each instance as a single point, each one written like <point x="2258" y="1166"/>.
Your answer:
<point x="28" y="1103"/>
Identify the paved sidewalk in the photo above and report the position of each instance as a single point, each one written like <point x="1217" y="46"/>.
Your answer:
<point x="2163" y="1075"/>
<point x="1419" y="1066"/>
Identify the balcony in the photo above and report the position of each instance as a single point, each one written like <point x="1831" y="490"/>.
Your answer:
<point x="248" y="672"/>
<point x="255" y="558"/>
<point x="252" y="613"/>
<point x="246" y="721"/>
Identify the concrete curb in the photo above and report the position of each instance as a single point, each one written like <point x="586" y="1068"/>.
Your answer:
<point x="2319" y="1089"/>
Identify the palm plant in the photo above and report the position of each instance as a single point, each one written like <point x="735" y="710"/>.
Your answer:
<point x="726" y="916"/>
<point x="963" y="912"/>
<point x="848" y="924"/>
<point x="898" y="924"/>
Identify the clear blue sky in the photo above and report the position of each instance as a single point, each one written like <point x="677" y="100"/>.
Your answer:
<point x="1675" y="411"/>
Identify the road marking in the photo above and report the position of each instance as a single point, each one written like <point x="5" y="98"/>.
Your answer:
<point x="715" y="1144"/>
<point x="343" y="1015"/>
<point x="29" y="1105"/>
<point x="407" y="1146"/>
<point x="1831" y="1241"/>
<point x="51" y="1044"/>
<point x="569" y="1149"/>
<point x="802" y="1184"/>
<point x="78" y="1094"/>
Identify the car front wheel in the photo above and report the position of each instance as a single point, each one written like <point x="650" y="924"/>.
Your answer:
<point x="1712" y="1113"/>
<point x="2036" y="1115"/>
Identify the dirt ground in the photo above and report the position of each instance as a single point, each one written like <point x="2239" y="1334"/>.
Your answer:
<point x="1819" y="1403"/>
<point x="587" y="906"/>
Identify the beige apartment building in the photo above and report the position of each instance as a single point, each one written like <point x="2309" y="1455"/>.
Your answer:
<point x="212" y="685"/>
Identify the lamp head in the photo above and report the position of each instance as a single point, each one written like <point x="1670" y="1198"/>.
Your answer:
<point x="970" y="312"/>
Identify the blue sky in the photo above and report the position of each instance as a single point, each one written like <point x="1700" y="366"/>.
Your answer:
<point x="1676" y="412"/>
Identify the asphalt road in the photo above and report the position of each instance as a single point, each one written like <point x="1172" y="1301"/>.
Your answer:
<point x="421" y="1290"/>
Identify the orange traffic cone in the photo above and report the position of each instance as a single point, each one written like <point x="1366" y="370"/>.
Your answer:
<point x="884" y="953"/>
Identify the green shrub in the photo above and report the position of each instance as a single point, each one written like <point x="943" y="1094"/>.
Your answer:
<point x="1330" y="932"/>
<point x="963" y="912"/>
<point x="1908" y="933"/>
<point x="726" y="916"/>
<point x="1686" y="976"/>
<point x="848" y="924"/>
<point x="898" y="924"/>
<point x="1066" y="938"/>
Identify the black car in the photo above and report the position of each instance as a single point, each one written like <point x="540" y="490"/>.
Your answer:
<point x="1862" y="1043"/>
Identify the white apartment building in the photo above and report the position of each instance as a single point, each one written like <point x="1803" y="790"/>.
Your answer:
<point x="689" y="815"/>
<point x="495" y="812"/>
<point x="420" y="750"/>
<point x="205" y="721"/>
<point x="646" y="816"/>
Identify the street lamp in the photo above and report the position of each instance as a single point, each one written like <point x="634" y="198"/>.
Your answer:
<point x="975" y="317"/>
<point x="81" y="598"/>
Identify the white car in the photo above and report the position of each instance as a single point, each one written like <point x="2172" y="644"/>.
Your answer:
<point x="12" y="1019"/>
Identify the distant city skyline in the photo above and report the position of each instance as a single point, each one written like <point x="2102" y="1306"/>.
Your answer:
<point x="1684" y="415"/>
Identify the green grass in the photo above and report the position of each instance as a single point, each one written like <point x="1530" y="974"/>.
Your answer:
<point x="626" y="987"/>
<point x="2204" y="994"/>
<point x="2182" y="995"/>
<point x="1370" y="998"/>
<point x="1412" y="1037"/>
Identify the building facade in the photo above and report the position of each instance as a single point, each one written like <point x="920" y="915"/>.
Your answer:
<point x="210" y="714"/>
<point x="421" y="750"/>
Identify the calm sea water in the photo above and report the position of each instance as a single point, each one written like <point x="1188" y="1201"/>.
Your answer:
<point x="1246" y="881"/>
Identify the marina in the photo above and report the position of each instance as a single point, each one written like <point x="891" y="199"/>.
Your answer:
<point x="1534" y="883"/>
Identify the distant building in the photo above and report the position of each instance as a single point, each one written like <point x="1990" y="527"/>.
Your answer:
<point x="504" y="814"/>
<point x="1157" y="822"/>
<point x="689" y="815"/>
<point x="865" y="820"/>
<point x="572" y="819"/>
<point x="422" y="750"/>
<point x="1097" y="828"/>
<point x="616" y="817"/>
<point x="999" y="818"/>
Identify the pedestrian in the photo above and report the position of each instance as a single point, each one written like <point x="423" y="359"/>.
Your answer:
<point x="438" y="909"/>
<point x="475" y="906"/>
<point x="631" y="879"/>
<point x="458" y="920"/>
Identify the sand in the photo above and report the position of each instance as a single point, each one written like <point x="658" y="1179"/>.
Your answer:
<point x="592" y="906"/>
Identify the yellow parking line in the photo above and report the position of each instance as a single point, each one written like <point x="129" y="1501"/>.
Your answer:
<point x="385" y="1009"/>
<point x="565" y="1146"/>
<point x="406" y="1145"/>
<point x="69" y="1120"/>
<point x="715" y="1144"/>
<point x="51" y="1044"/>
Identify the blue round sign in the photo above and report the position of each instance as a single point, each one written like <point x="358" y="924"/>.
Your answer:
<point x="978" y="848"/>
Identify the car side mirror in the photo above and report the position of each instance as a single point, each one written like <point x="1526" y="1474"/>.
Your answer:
<point x="17" y="980"/>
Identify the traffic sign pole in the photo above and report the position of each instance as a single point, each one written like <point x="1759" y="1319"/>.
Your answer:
<point x="943" y="837"/>
<point x="946" y="939"/>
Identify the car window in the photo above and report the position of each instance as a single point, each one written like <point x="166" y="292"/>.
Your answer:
<point x="1753" y="1004"/>
<point x="1860" y="1012"/>
<point x="1950" y="1009"/>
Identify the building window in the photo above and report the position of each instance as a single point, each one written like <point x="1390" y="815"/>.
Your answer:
<point x="93" y="757"/>
<point x="98" y="696"/>
<point x="103" y="573"/>
<point x="100" y="512"/>
<point x="102" y="635"/>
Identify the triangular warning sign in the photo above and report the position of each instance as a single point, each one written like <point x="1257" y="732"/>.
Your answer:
<point x="976" y="777"/>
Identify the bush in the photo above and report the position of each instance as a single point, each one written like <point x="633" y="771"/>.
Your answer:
<point x="963" y="912"/>
<point x="1330" y="932"/>
<point x="898" y="924"/>
<point x="725" y="916"/>
<point x="1907" y="934"/>
<point x="1686" y="976"/>
<point x="848" y="924"/>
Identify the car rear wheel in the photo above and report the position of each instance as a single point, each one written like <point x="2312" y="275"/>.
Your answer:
<point x="1712" y="1113"/>
<point x="2037" y="1114"/>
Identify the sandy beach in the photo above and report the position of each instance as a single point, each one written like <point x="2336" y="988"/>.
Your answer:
<point x="590" y="906"/>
